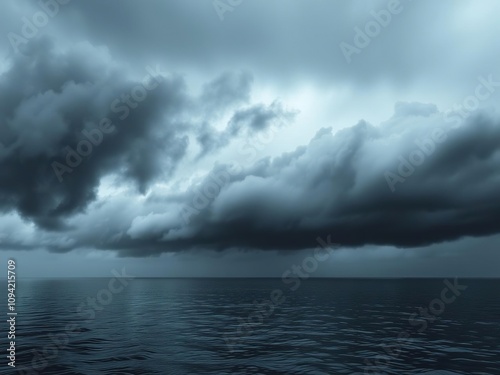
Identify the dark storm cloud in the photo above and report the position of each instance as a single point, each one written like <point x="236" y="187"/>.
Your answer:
<point x="336" y="186"/>
<point x="258" y="118"/>
<point x="48" y="98"/>
<point x="248" y="121"/>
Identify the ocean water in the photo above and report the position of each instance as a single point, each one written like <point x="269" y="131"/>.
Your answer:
<point x="213" y="326"/>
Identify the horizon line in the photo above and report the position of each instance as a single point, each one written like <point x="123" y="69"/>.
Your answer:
<point x="272" y="277"/>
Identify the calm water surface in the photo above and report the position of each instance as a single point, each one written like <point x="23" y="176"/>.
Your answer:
<point x="179" y="326"/>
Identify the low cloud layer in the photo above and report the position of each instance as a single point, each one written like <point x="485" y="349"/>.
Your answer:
<point x="335" y="185"/>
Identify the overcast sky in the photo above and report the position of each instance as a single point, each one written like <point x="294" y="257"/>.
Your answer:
<point x="199" y="138"/>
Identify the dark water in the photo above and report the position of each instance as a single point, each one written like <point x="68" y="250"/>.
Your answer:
<point x="177" y="326"/>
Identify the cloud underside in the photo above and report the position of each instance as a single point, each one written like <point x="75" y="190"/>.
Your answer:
<point x="412" y="181"/>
